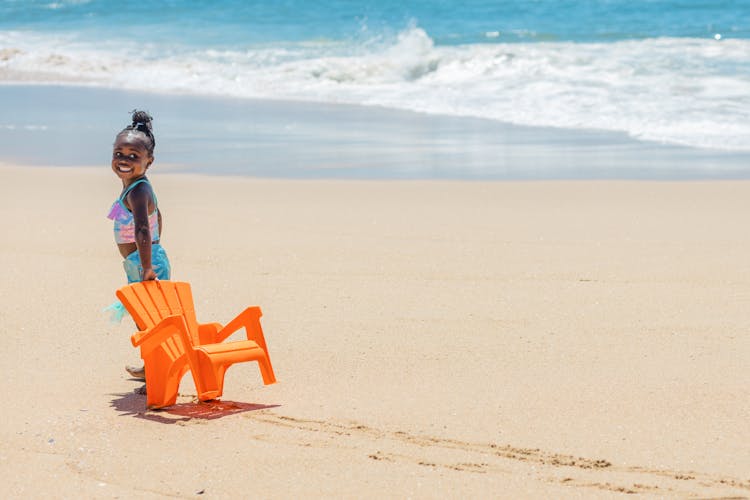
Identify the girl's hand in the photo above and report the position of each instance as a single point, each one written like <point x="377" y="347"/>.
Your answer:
<point x="148" y="274"/>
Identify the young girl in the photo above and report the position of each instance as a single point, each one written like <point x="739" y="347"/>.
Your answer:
<point x="136" y="215"/>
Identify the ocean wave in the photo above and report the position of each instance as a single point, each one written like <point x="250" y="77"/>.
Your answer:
<point x="686" y="91"/>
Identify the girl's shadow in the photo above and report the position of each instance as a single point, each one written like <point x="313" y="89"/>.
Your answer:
<point x="134" y="404"/>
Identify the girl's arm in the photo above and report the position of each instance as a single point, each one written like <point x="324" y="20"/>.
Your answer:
<point x="139" y="198"/>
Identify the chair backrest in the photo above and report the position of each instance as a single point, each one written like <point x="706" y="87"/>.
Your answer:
<point x="149" y="302"/>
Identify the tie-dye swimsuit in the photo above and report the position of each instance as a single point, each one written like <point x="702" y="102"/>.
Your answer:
<point x="125" y="233"/>
<point x="124" y="223"/>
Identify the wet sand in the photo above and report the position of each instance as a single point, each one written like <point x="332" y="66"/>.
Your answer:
<point x="75" y="126"/>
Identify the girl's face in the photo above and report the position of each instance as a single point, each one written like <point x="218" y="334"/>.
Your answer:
<point x="130" y="157"/>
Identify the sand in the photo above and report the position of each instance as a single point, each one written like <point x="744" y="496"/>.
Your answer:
<point x="430" y="339"/>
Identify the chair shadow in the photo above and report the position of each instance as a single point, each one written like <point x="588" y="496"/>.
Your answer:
<point x="133" y="404"/>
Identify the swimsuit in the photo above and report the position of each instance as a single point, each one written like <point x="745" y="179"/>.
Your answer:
<point x="159" y="263"/>
<point x="124" y="223"/>
<point x="125" y="233"/>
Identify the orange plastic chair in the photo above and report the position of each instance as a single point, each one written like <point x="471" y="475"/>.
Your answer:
<point x="172" y="341"/>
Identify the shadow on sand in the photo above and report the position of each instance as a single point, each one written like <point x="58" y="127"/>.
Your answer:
<point x="134" y="404"/>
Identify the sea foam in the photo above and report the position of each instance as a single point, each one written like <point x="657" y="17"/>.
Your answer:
<point x="687" y="91"/>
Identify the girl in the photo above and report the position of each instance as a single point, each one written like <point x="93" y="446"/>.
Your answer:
<point x="136" y="215"/>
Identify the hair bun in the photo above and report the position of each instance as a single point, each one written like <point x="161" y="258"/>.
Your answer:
<point x="141" y="118"/>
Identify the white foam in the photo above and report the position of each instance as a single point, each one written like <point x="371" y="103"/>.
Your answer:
<point x="684" y="91"/>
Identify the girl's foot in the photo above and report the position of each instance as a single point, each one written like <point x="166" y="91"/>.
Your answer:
<point x="138" y="372"/>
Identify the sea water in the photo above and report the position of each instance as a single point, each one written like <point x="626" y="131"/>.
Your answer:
<point x="667" y="71"/>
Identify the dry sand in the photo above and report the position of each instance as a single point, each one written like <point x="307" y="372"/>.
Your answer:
<point x="431" y="339"/>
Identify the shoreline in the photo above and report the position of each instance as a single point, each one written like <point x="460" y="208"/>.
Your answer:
<point x="73" y="125"/>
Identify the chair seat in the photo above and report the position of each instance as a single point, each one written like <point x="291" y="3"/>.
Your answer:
<point x="229" y="347"/>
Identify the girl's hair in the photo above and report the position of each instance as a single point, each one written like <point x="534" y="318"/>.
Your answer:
<point x="142" y="123"/>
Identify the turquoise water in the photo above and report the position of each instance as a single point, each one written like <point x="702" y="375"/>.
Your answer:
<point x="669" y="72"/>
<point x="233" y="24"/>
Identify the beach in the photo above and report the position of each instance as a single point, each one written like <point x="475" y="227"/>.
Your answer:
<point x="72" y="125"/>
<point x="430" y="338"/>
<point x="500" y="248"/>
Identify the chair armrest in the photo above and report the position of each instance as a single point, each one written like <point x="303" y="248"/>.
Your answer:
<point x="160" y="331"/>
<point x="207" y="332"/>
<point x="250" y="320"/>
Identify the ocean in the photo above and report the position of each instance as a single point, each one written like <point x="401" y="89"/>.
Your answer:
<point x="670" y="72"/>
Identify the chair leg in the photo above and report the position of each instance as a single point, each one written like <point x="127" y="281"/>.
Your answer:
<point x="209" y="382"/>
<point x="266" y="370"/>
<point x="162" y="389"/>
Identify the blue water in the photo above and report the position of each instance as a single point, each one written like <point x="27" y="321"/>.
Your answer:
<point x="664" y="71"/>
<point x="223" y="24"/>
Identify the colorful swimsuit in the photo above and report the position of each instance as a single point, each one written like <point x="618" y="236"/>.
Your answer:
<point x="124" y="223"/>
<point x="125" y="233"/>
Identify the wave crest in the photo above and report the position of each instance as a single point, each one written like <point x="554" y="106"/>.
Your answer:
<point x="678" y="90"/>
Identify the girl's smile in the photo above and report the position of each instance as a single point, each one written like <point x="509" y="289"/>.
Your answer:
<point x="130" y="157"/>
